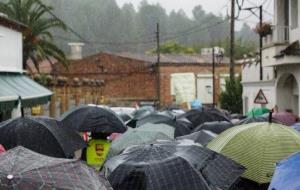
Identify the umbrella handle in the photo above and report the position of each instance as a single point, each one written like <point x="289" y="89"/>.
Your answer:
<point x="270" y="117"/>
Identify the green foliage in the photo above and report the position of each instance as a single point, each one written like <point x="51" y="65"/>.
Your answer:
<point x="231" y="98"/>
<point x="37" y="39"/>
<point x="172" y="47"/>
<point x="109" y="27"/>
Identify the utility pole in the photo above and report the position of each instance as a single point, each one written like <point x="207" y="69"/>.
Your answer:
<point x="232" y="40"/>
<point x="260" y="36"/>
<point x="158" y="64"/>
<point x="213" y="77"/>
<point x="260" y="43"/>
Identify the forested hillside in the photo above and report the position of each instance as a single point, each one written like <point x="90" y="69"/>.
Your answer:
<point x="106" y="27"/>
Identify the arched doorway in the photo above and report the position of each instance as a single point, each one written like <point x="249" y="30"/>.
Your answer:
<point x="288" y="94"/>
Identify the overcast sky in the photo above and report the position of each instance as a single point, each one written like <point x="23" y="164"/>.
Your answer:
<point x="215" y="6"/>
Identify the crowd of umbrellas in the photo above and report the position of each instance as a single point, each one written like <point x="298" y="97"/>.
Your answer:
<point x="201" y="149"/>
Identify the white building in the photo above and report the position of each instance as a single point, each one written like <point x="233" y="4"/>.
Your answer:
<point x="16" y="89"/>
<point x="281" y="62"/>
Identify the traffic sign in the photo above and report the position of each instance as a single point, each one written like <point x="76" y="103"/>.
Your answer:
<point x="261" y="98"/>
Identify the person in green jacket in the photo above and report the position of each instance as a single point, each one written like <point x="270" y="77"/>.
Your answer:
<point x="97" y="150"/>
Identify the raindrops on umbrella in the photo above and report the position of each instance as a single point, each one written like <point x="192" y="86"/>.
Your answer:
<point x="40" y="134"/>
<point x="22" y="168"/>
<point x="93" y="119"/>
<point x="181" y="127"/>
<point x="154" y="118"/>
<point x="215" y="127"/>
<point x="137" y="115"/>
<point x="257" y="146"/>
<point x="171" y="165"/>
<point x="202" y="115"/>
<point x="138" y="136"/>
<point x="202" y="137"/>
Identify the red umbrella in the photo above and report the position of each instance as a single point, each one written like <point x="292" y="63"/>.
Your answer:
<point x="2" y="149"/>
<point x="285" y="118"/>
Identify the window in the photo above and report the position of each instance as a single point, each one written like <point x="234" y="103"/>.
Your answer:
<point x="294" y="14"/>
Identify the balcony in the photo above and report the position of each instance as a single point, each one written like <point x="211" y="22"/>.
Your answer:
<point x="279" y="36"/>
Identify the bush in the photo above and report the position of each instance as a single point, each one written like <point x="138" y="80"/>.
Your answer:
<point x="231" y="98"/>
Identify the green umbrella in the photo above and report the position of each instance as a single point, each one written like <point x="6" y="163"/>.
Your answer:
<point x="257" y="146"/>
<point x="160" y="128"/>
<point x="137" y="137"/>
<point x="255" y="112"/>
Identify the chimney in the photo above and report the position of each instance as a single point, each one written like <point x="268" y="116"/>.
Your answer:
<point x="76" y="50"/>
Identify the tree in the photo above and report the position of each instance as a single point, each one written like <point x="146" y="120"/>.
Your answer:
<point x="37" y="39"/>
<point x="172" y="47"/>
<point x="231" y="98"/>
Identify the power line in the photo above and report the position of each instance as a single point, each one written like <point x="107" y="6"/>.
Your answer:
<point x="270" y="14"/>
<point x="194" y="31"/>
<point x="56" y="17"/>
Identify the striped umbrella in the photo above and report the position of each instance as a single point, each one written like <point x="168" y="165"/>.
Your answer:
<point x="257" y="146"/>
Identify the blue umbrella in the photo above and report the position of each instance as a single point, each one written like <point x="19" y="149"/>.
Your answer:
<point x="287" y="174"/>
<point x="296" y="126"/>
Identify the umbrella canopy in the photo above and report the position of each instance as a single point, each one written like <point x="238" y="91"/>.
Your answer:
<point x="40" y="134"/>
<point x="125" y="117"/>
<point x="24" y="169"/>
<point x="285" y="118"/>
<point x="202" y="137"/>
<point x="137" y="115"/>
<point x="2" y="149"/>
<point x="181" y="127"/>
<point x="296" y="126"/>
<point x="159" y="128"/>
<point x="257" y="146"/>
<point x="139" y="136"/>
<point x="256" y="120"/>
<point x="200" y="116"/>
<point x="287" y="174"/>
<point x="171" y="165"/>
<point x="215" y="127"/>
<point x="255" y="112"/>
<point x="154" y="118"/>
<point x="93" y="119"/>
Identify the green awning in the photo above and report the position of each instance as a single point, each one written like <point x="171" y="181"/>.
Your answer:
<point x="15" y="87"/>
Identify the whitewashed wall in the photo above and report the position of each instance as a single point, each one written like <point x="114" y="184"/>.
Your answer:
<point x="10" y="50"/>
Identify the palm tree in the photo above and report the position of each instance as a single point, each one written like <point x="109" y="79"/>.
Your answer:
<point x="37" y="39"/>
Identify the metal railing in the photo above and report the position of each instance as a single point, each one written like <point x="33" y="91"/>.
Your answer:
<point x="280" y="34"/>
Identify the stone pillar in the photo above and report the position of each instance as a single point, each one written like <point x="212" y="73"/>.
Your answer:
<point x="67" y="97"/>
<point x="77" y="91"/>
<point x="62" y="93"/>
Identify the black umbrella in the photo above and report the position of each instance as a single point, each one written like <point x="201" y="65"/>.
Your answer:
<point x="181" y="127"/>
<point x="202" y="137"/>
<point x="137" y="115"/>
<point x="257" y="119"/>
<point x="154" y="118"/>
<point x="215" y="127"/>
<point x="40" y="134"/>
<point x="93" y="119"/>
<point x="24" y="169"/>
<point x="202" y="115"/>
<point x="171" y="165"/>
<point x="125" y="117"/>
